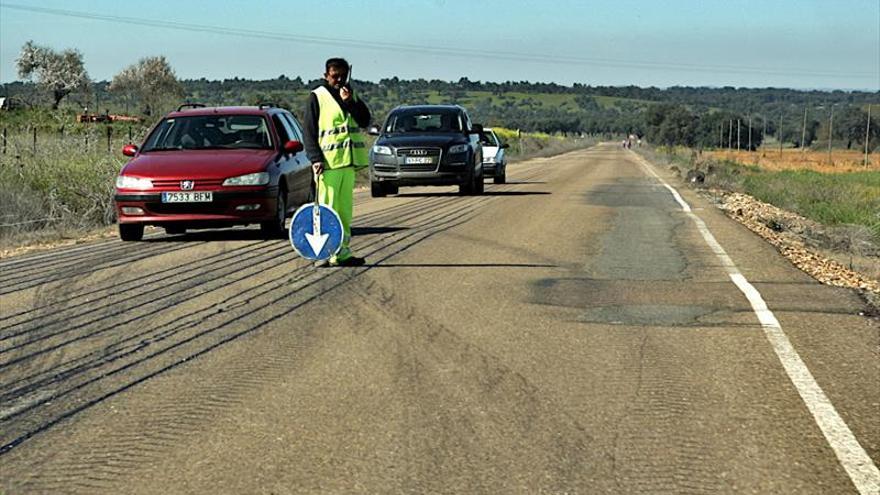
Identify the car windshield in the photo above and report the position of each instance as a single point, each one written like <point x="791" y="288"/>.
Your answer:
<point x="424" y="122"/>
<point x="488" y="139"/>
<point x="210" y="132"/>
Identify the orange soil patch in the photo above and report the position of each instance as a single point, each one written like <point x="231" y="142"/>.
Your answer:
<point x="794" y="159"/>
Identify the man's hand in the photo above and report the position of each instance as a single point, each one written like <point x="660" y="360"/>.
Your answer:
<point x="345" y="93"/>
<point x="317" y="168"/>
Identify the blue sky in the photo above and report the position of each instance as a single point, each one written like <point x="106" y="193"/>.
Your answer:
<point x="781" y="43"/>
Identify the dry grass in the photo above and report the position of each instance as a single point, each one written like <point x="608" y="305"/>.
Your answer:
<point x="842" y="161"/>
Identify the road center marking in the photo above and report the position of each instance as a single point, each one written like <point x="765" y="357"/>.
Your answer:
<point x="858" y="465"/>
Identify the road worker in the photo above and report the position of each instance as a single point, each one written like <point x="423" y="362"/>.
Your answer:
<point x="336" y="147"/>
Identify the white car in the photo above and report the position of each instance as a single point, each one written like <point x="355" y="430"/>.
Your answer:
<point x="494" y="158"/>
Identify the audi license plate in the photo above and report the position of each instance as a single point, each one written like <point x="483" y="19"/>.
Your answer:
<point x="419" y="159"/>
<point x="187" y="197"/>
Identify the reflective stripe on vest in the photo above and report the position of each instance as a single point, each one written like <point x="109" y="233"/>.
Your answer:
<point x="339" y="136"/>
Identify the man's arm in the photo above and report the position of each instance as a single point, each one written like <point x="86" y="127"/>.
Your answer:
<point x="310" y="130"/>
<point x="358" y="109"/>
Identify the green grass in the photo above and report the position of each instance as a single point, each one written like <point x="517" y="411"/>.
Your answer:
<point x="831" y="199"/>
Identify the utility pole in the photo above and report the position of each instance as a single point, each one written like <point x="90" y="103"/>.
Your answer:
<point x="750" y="132"/>
<point x="779" y="133"/>
<point x="804" y="131"/>
<point x="867" y="134"/>
<point x="830" y="133"/>
<point x="738" y="134"/>
<point x="764" y="133"/>
<point x="730" y="134"/>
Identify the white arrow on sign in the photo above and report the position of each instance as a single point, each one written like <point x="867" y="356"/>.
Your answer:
<point x="316" y="238"/>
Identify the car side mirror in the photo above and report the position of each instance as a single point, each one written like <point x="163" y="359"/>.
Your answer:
<point x="373" y="130"/>
<point x="476" y="129"/>
<point x="293" y="146"/>
<point x="129" y="150"/>
<point x="505" y="145"/>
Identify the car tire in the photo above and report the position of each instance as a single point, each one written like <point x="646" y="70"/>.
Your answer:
<point x="500" y="178"/>
<point x="391" y="188"/>
<point x="274" y="229"/>
<point x="466" y="188"/>
<point x="131" y="231"/>
<point x="377" y="190"/>
<point x="173" y="230"/>
<point x="479" y="184"/>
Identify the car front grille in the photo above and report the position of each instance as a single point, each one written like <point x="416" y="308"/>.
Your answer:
<point x="200" y="184"/>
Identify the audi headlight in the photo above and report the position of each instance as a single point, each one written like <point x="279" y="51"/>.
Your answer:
<point x="458" y="148"/>
<point x="382" y="150"/>
<point x="257" y="179"/>
<point x="129" y="182"/>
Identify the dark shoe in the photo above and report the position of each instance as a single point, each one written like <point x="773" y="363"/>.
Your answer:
<point x="351" y="261"/>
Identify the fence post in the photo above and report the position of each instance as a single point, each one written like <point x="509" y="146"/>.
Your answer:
<point x="4" y="140"/>
<point x="109" y="134"/>
<point x="86" y="134"/>
<point x="129" y="134"/>
<point x="35" y="140"/>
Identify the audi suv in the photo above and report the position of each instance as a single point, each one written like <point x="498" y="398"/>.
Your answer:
<point x="427" y="145"/>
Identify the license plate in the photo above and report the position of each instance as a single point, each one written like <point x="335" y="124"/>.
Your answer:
<point x="419" y="159"/>
<point x="187" y="197"/>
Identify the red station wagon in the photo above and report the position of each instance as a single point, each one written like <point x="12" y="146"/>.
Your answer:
<point x="206" y="167"/>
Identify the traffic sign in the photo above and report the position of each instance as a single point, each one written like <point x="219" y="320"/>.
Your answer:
<point x="315" y="232"/>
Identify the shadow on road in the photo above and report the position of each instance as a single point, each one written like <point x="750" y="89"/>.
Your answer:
<point x="461" y="265"/>
<point x="355" y="231"/>
<point x="487" y="193"/>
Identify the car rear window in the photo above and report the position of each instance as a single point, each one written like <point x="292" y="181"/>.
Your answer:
<point x="430" y="121"/>
<point x="210" y="132"/>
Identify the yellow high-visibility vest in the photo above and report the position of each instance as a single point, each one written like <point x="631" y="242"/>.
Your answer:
<point x="339" y="136"/>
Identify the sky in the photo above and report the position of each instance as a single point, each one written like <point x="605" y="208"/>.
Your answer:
<point x="801" y="44"/>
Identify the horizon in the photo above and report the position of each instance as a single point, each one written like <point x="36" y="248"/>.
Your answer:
<point x="788" y="44"/>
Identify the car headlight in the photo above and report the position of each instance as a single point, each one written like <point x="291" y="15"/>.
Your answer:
<point x="382" y="150"/>
<point x="257" y="179"/>
<point x="129" y="182"/>
<point x="458" y="148"/>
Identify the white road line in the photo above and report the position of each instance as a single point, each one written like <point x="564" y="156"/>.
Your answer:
<point x="861" y="469"/>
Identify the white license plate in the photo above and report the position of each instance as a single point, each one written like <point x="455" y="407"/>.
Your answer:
<point x="187" y="197"/>
<point x="419" y="159"/>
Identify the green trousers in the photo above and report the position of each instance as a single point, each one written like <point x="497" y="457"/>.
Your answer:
<point x="336" y="190"/>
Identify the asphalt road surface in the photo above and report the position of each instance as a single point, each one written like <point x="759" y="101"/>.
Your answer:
<point x="573" y="331"/>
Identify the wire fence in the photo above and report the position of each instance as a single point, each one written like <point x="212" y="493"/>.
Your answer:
<point x="108" y="139"/>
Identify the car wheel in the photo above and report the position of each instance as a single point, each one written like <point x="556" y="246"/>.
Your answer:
<point x="377" y="190"/>
<point x="274" y="229"/>
<point x="175" y="230"/>
<point x="131" y="231"/>
<point x="392" y="188"/>
<point x="479" y="185"/>
<point x="502" y="177"/>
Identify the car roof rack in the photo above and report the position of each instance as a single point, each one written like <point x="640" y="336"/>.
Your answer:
<point x="190" y="105"/>
<point x="266" y="104"/>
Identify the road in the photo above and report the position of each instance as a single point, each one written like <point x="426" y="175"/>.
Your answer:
<point x="573" y="331"/>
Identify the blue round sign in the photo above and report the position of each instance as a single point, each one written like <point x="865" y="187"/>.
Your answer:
<point x="315" y="232"/>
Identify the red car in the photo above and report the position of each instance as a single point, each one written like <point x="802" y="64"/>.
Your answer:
<point x="206" y="167"/>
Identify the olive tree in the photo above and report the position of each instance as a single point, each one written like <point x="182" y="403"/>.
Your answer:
<point x="151" y="81"/>
<point x="59" y="72"/>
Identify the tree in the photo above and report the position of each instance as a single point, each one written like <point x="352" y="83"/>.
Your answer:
<point x="151" y="80"/>
<point x="61" y="73"/>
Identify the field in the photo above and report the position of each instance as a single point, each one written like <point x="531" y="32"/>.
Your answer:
<point x="771" y="160"/>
